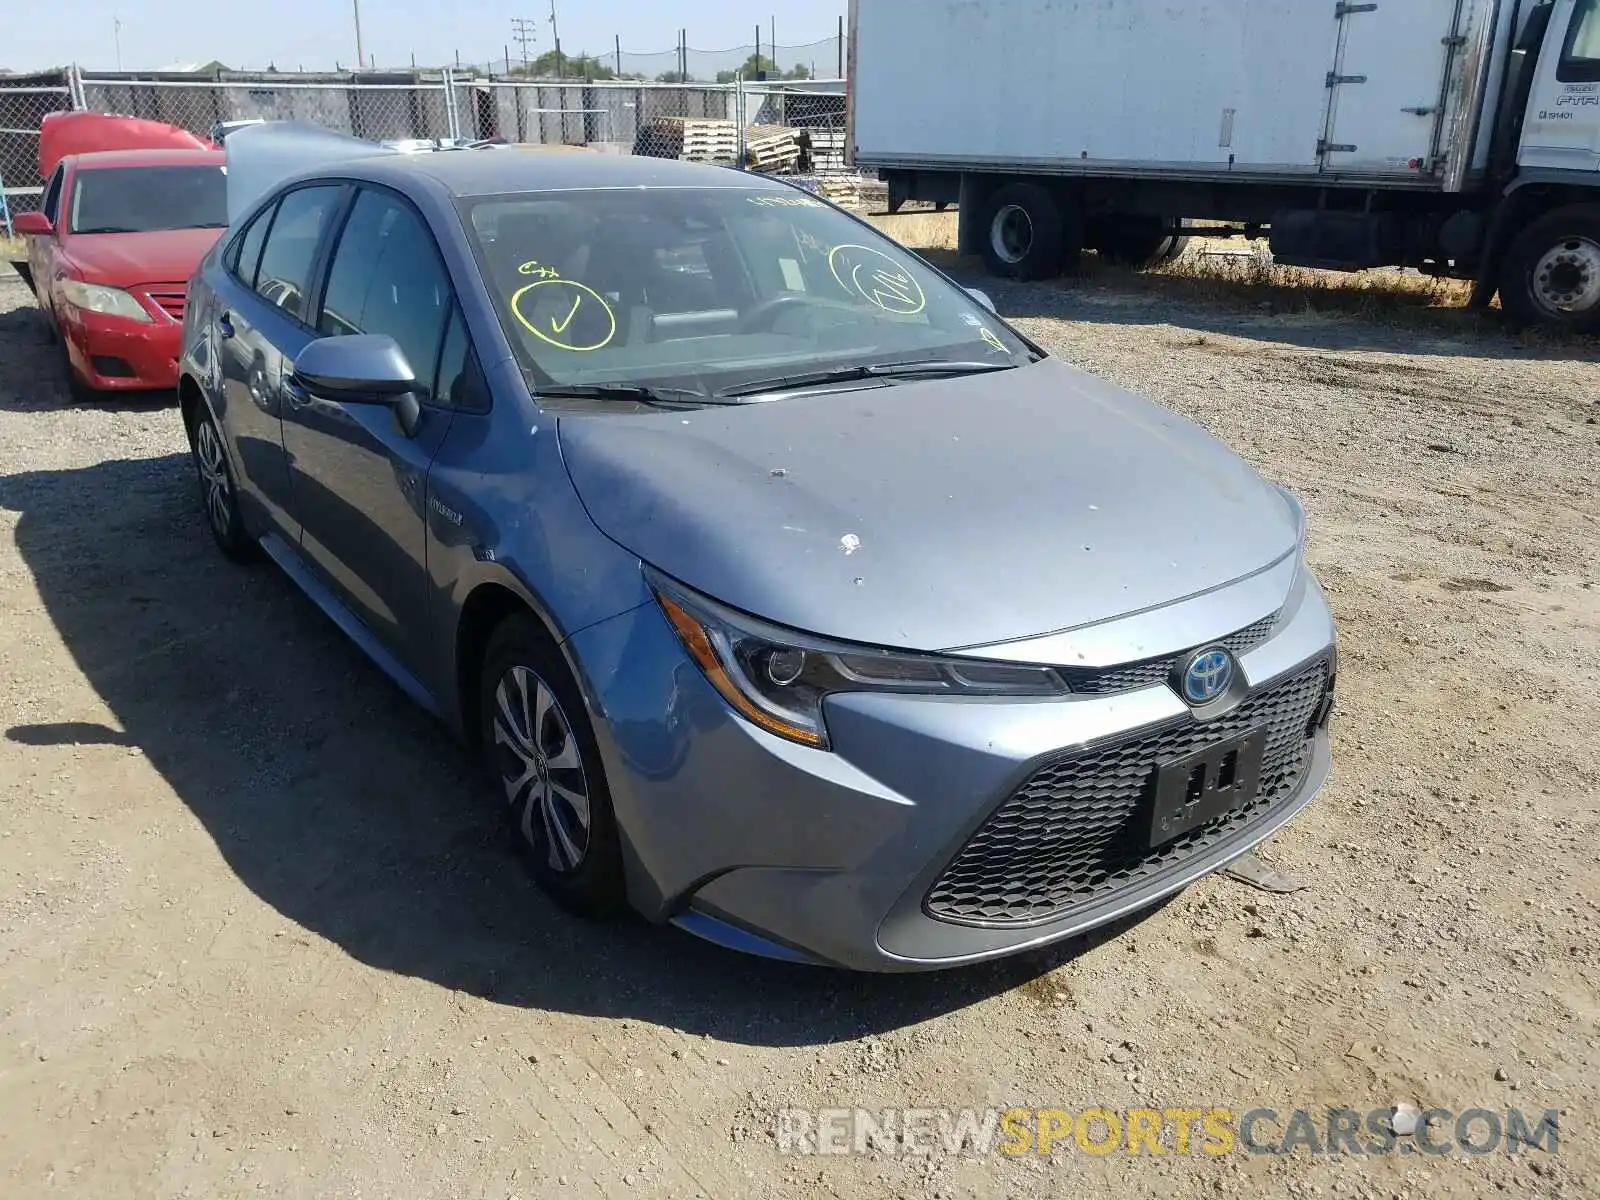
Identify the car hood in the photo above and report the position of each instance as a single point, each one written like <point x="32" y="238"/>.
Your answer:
<point x="126" y="259"/>
<point x="932" y="515"/>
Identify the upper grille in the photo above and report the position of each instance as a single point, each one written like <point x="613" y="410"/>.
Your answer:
<point x="1098" y="681"/>
<point x="171" y="301"/>
<point x="1078" y="828"/>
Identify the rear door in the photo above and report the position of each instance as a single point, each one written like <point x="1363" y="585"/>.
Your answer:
<point x="1388" y="82"/>
<point x="359" y="480"/>
<point x="260" y="321"/>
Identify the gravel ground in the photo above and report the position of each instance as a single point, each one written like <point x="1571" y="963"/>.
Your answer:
<point x="259" y="934"/>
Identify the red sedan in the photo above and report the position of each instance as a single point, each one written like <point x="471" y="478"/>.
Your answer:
<point x="111" y="254"/>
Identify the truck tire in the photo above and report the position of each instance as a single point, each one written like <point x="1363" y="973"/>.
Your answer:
<point x="1551" y="271"/>
<point x="1132" y="241"/>
<point x="1026" y="233"/>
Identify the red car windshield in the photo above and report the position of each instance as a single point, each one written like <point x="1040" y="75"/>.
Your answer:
<point x="144" y="199"/>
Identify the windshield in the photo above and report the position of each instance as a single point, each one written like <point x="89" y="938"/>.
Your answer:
<point x="142" y="199"/>
<point x="710" y="288"/>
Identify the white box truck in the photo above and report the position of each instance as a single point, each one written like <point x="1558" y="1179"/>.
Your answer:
<point x="1460" y="137"/>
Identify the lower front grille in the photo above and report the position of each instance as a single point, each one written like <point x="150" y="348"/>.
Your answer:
<point x="1078" y="828"/>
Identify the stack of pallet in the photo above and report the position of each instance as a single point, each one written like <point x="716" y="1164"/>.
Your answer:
<point x="692" y="139"/>
<point x="774" y="149"/>
<point x="856" y="192"/>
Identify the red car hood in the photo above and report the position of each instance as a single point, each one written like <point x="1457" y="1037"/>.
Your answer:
<point x="127" y="259"/>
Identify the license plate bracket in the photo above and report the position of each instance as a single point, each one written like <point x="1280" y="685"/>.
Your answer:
<point x="1198" y="787"/>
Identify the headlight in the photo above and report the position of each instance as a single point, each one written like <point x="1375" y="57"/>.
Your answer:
<point x="97" y="297"/>
<point x="777" y="678"/>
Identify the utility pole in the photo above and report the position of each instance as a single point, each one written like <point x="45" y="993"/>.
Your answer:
<point x="524" y="32"/>
<point x="617" y="43"/>
<point x="116" y="33"/>
<point x="555" y="36"/>
<point x="361" y="57"/>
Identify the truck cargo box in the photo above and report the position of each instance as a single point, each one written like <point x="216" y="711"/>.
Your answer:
<point x="1240" y="88"/>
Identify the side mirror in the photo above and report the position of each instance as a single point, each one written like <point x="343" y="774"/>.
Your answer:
<point x="982" y="298"/>
<point x="363" y="368"/>
<point x="34" y="223"/>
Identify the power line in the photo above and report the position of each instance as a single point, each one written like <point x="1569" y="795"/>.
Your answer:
<point x="525" y="32"/>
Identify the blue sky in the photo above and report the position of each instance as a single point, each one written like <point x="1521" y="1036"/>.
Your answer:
<point x="317" y="33"/>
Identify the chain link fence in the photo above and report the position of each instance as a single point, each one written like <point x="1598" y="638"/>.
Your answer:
<point x="789" y="127"/>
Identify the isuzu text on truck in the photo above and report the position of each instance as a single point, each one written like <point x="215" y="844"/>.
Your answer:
<point x="1459" y="137"/>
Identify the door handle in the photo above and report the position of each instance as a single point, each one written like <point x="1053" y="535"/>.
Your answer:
<point x="225" y="325"/>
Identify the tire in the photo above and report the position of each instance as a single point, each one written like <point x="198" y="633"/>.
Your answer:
<point x="1551" y="271"/>
<point x="538" y="749"/>
<point x="1027" y="234"/>
<point x="1132" y="241"/>
<point x="219" y="495"/>
<point x="78" y="391"/>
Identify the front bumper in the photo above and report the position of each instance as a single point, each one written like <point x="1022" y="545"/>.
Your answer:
<point x="829" y="856"/>
<point x="114" y="354"/>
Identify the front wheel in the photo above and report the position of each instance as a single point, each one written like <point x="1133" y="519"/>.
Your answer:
<point x="1551" y="273"/>
<point x="541" y="754"/>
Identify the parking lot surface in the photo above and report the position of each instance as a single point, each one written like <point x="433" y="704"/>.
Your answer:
<point x="261" y="933"/>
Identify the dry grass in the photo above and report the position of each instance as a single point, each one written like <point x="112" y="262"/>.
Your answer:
<point x="12" y="249"/>
<point x="1233" y="270"/>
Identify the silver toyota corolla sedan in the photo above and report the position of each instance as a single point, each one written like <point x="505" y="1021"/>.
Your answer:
<point x="788" y="594"/>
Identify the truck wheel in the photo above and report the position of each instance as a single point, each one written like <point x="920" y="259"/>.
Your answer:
<point x="1133" y="241"/>
<point x="1551" y="273"/>
<point x="1026" y="233"/>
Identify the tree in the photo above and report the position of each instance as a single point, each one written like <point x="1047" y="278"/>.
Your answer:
<point x="674" y="77"/>
<point x="756" y="64"/>
<point x="571" y="66"/>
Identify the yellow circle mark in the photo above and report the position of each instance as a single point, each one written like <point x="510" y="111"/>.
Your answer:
<point x="557" y="333"/>
<point x="877" y="279"/>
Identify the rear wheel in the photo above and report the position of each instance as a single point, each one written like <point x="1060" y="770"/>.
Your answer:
<point x="540" y="751"/>
<point x="1028" y="234"/>
<point x="1551" y="273"/>
<point x="1135" y="241"/>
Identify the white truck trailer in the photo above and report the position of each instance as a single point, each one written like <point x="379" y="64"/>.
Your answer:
<point x="1460" y="137"/>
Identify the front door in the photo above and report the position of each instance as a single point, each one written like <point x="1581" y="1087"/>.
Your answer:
<point x="359" y="480"/>
<point x="1562" y="127"/>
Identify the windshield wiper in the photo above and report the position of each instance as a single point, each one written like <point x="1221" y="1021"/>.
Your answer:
<point x="109" y="229"/>
<point x="636" y="392"/>
<point x="893" y="370"/>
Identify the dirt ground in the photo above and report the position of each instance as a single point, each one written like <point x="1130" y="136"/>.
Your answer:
<point x="260" y="935"/>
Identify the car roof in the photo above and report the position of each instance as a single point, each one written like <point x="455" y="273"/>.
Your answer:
<point x="147" y="158"/>
<point x="467" y="173"/>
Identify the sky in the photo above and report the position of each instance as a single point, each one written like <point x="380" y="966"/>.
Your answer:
<point x="318" y="34"/>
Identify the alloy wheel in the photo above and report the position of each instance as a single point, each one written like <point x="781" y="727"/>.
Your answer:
<point x="214" y="485"/>
<point x="541" y="769"/>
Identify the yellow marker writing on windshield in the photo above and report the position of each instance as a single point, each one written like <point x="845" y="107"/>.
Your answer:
<point x="991" y="339"/>
<point x="534" y="268"/>
<point x="876" y="278"/>
<point x="562" y="328"/>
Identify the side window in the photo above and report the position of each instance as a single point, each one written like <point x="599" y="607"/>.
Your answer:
<point x="1580" y="57"/>
<point x="245" y="253"/>
<point x="52" y="194"/>
<point x="386" y="278"/>
<point x="291" y="245"/>
<point x="461" y="383"/>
